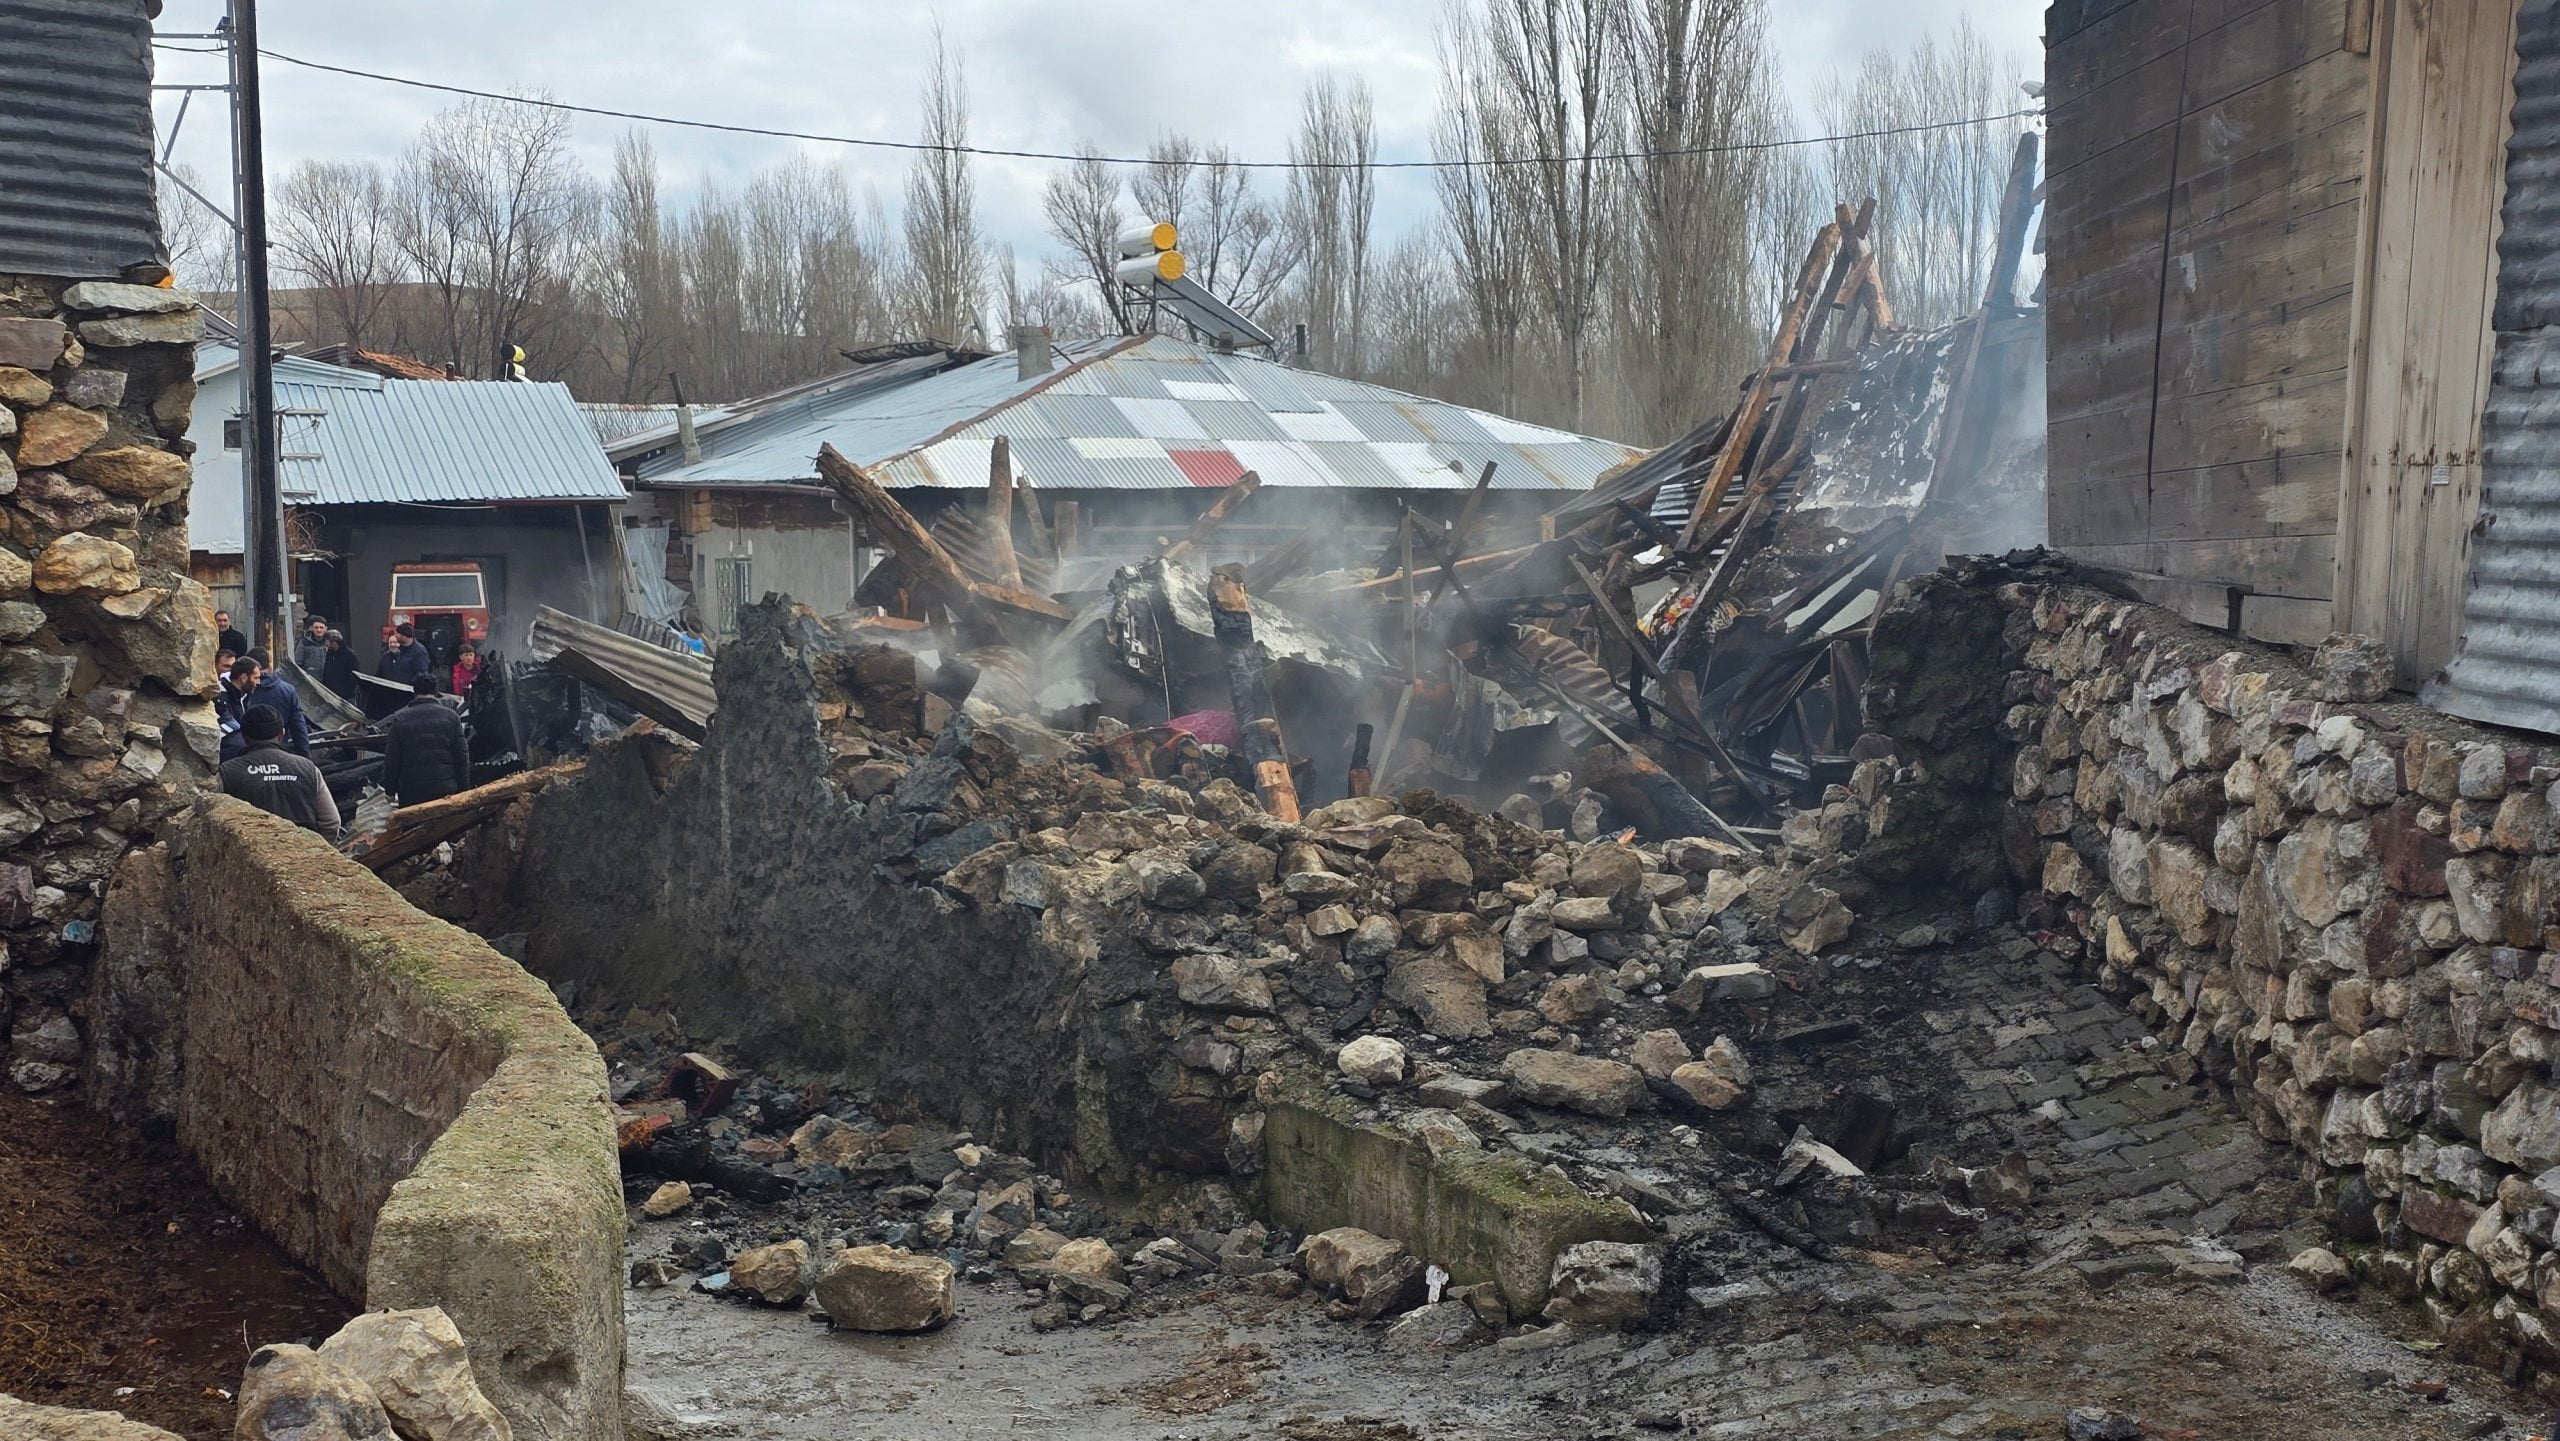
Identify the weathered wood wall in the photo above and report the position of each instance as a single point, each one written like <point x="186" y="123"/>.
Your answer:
<point x="2424" y="339"/>
<point x="2271" y="231"/>
<point x="2206" y="186"/>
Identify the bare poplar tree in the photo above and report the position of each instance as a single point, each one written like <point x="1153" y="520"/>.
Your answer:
<point x="1484" y="209"/>
<point x="1082" y="207"/>
<point x="1937" y="191"/>
<point x="1332" y="201"/>
<point x="946" y="260"/>
<point x="1694" y="79"/>
<point x="630" y="280"/>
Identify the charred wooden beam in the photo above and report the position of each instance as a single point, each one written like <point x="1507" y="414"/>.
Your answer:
<point x="1782" y="348"/>
<point x="1265" y="749"/>
<point x="1359" y="780"/>
<point x="1188" y="548"/>
<point x="983" y="606"/>
<point x="1007" y="571"/>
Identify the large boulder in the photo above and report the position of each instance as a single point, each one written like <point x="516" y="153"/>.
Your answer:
<point x="1443" y="994"/>
<point x="881" y="1288"/>
<point x="293" y="1393"/>
<point x="1374" y="1060"/>
<point x="1604" y="1283"/>
<point x="418" y="1370"/>
<point x="1587" y="1084"/>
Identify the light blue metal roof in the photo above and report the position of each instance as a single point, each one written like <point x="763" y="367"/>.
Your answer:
<point x="1149" y="413"/>
<point x="348" y="437"/>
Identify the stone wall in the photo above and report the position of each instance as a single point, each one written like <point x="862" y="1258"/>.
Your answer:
<point x="2344" y="912"/>
<point x="402" y="1108"/>
<point x="106" y="645"/>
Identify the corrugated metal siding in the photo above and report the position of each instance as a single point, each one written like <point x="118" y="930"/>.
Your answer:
<point x="75" y="138"/>
<point x="2507" y="669"/>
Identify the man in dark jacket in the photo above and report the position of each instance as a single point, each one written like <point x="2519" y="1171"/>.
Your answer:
<point x="405" y="659"/>
<point x="228" y="636"/>
<point x="255" y="685"/>
<point x="311" y="650"/>
<point x="277" y="781"/>
<point x="425" y="755"/>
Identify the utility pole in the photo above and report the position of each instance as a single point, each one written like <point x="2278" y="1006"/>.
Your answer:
<point x="264" y="578"/>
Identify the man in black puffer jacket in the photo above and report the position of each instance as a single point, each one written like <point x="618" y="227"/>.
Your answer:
<point x="426" y="755"/>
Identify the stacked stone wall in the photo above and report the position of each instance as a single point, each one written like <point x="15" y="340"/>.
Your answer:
<point x="2346" y="914"/>
<point x="106" y="644"/>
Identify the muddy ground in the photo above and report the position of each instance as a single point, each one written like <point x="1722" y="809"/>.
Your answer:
<point x="125" y="1283"/>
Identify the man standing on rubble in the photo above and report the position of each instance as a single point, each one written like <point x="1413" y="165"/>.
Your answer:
<point x="404" y="659"/>
<point x="425" y="755"/>
<point x="277" y="781"/>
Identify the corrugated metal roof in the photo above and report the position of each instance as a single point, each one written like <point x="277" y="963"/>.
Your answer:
<point x="1112" y="416"/>
<point x="352" y="438"/>
<point x="2507" y="669"/>
<point x="75" y="138"/>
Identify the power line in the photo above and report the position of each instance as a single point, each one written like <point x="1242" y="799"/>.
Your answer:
<point x="1005" y="154"/>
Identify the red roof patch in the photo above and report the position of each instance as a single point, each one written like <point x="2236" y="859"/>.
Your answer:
<point x="1210" y="469"/>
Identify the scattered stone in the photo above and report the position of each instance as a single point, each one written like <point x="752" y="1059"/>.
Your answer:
<point x="1576" y="1083"/>
<point x="293" y="1393"/>
<point x="2325" y="1269"/>
<point x="1443" y="993"/>
<point x="1606" y="871"/>
<point x="1427" y="874"/>
<point x="1805" y="1155"/>
<point x="1718" y="1080"/>
<point x="1604" y="1283"/>
<point x="25" y="1421"/>
<point x="1586" y="913"/>
<point x="1734" y="981"/>
<point x="881" y="1288"/>
<point x="1166" y="882"/>
<point x="1455" y="1092"/>
<point x="1033" y="1246"/>
<point x="1444" y="1326"/>
<point x="777" y="1275"/>
<point x="1375" y="1060"/>
<point x="1574" y="1000"/>
<point x="667" y="1200"/>
<point x="2091" y="1423"/>
<point x="415" y="1363"/>
<point x="1221" y="983"/>
<point x="1089" y="1256"/>
<point x="652" y="1273"/>
<point x="1659" y="1053"/>
<point x="1376" y="1275"/>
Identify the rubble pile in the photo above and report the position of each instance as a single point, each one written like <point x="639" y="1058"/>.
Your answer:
<point x="1607" y="1045"/>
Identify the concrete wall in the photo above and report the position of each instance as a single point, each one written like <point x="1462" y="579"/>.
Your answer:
<point x="106" y="644"/>
<point x="2347" y="915"/>
<point x="401" y="1107"/>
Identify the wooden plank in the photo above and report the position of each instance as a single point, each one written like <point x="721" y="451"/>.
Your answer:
<point x="2285" y="340"/>
<point x="2264" y="43"/>
<point x="2088" y="127"/>
<point x="2217" y="271"/>
<point x="2250" y="422"/>
<point x="2109" y="443"/>
<point x="2284" y="619"/>
<point x="2087" y="511"/>
<point x="1194" y="542"/>
<point x="2106" y="344"/>
<point x="2113" y="210"/>
<point x="2289" y="495"/>
<point x="2113" y="45"/>
<point x="2297" y="565"/>
<point x="2067" y="18"/>
<point x="2141" y="555"/>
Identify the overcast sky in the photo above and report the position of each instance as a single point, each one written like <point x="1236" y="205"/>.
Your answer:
<point x="1043" y="74"/>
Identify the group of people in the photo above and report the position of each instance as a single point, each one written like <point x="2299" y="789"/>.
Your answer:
<point x="266" y="737"/>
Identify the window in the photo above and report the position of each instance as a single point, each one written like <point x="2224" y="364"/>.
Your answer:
<point x="231" y="433"/>
<point x="733" y="587"/>
<point x="453" y="590"/>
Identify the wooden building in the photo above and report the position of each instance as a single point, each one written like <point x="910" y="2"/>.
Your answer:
<point x="2272" y="259"/>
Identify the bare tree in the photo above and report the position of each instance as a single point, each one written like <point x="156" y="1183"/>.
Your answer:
<point x="333" y="232"/>
<point x="1332" y="200"/>
<point x="1416" y="320"/>
<point x="487" y="209"/>
<point x="946" y="261"/>
<point x="1082" y="206"/>
<point x="204" y="252"/>
<point x="1696" y="87"/>
<point x="1554" y="65"/>
<point x="1938" y="191"/>
<point x="1484" y="208"/>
